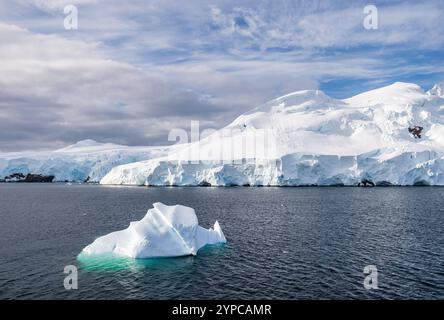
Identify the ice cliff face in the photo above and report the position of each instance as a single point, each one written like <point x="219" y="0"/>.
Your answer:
<point x="312" y="139"/>
<point x="77" y="162"/>
<point x="382" y="166"/>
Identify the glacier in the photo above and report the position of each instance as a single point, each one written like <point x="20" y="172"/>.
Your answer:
<point x="383" y="167"/>
<point x="165" y="231"/>
<point x="312" y="139"/>
<point x="85" y="160"/>
<point x="302" y="138"/>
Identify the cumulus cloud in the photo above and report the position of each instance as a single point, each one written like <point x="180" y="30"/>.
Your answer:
<point x="55" y="90"/>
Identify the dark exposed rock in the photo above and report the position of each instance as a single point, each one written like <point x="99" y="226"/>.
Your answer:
<point x="366" y="183"/>
<point x="15" y="177"/>
<point x="30" y="177"/>
<point x="416" y="131"/>
<point x="204" y="184"/>
<point x="38" y="178"/>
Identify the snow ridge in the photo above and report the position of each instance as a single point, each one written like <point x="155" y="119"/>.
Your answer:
<point x="317" y="140"/>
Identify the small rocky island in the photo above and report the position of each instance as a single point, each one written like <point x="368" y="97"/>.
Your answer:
<point x="30" y="177"/>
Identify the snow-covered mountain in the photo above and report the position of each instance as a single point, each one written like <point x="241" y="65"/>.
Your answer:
<point x="308" y="138"/>
<point x="87" y="158"/>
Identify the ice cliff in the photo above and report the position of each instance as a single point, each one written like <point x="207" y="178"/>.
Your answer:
<point x="87" y="158"/>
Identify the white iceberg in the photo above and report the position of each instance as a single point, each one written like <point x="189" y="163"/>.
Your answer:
<point x="165" y="231"/>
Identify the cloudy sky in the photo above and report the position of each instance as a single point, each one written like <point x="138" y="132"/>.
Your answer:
<point x="134" y="69"/>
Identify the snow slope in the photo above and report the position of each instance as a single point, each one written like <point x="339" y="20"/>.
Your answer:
<point x="308" y="138"/>
<point x="165" y="231"/>
<point x="76" y="162"/>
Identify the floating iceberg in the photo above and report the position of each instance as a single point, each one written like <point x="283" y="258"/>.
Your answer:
<point x="165" y="231"/>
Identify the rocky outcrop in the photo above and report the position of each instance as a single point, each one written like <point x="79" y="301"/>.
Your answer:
<point x="38" y="178"/>
<point x="30" y="177"/>
<point x="15" y="177"/>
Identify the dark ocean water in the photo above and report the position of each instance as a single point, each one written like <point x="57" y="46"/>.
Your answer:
<point x="283" y="243"/>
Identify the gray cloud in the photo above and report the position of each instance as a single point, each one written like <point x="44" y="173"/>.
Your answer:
<point x="134" y="70"/>
<point x="55" y="90"/>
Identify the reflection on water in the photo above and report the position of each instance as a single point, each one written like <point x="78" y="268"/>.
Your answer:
<point x="112" y="262"/>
